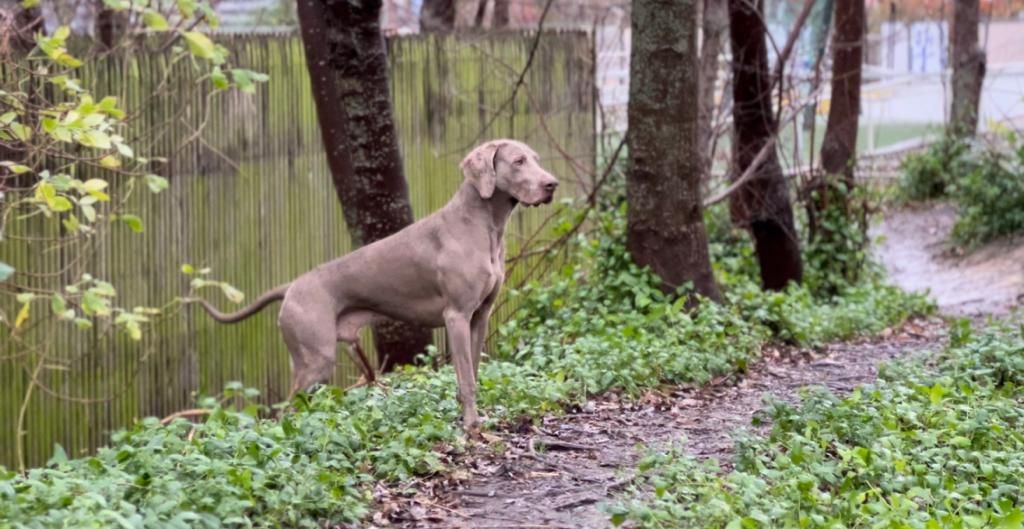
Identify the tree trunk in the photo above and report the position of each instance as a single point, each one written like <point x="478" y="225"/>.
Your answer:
<point x="665" y="216"/>
<point x="110" y="25"/>
<point x="762" y="204"/>
<point x="968" y="69"/>
<point x="348" y="70"/>
<point x="481" y="11"/>
<point x="499" y="19"/>
<point x="835" y="226"/>
<point x="840" y="142"/>
<point x="18" y="27"/>
<point x="716" y="25"/>
<point x="437" y="15"/>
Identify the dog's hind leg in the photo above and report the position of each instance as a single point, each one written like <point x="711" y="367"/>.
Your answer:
<point x="312" y="343"/>
<point x="348" y="327"/>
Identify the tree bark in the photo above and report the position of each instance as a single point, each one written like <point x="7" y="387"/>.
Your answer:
<point x="665" y="223"/>
<point x="968" y="69"/>
<point x="840" y="142"/>
<point x="110" y="26"/>
<point x="348" y="70"/>
<point x="761" y="205"/>
<point x="835" y="224"/>
<point x="437" y="15"/>
<point x="17" y="28"/>
<point x="499" y="19"/>
<point x="481" y="11"/>
<point x="716" y="25"/>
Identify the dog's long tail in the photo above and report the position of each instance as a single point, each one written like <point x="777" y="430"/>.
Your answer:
<point x="267" y="298"/>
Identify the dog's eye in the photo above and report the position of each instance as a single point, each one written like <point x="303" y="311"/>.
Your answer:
<point x="519" y="161"/>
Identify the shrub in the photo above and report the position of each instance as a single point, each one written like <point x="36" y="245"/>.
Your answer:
<point x="928" y="175"/>
<point x="991" y="196"/>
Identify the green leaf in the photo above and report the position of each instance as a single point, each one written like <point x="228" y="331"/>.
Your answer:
<point x="110" y="162"/>
<point x="200" y="45"/>
<point x="155" y="21"/>
<point x="187" y="269"/>
<point x="29" y="4"/>
<point x="104" y="289"/>
<point x="59" y="204"/>
<point x="232" y="293"/>
<point x="220" y="81"/>
<point x="59" y="455"/>
<point x="58" y="305"/>
<point x="156" y="183"/>
<point x="22" y="315"/>
<point x="21" y="132"/>
<point x="95" y="138"/>
<point x="133" y="222"/>
<point x="935" y="394"/>
<point x="94" y="184"/>
<point x="6" y="271"/>
<point x="88" y="211"/>
<point x="72" y="224"/>
<point x="187" y="8"/>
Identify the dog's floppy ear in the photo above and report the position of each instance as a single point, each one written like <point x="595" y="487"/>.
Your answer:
<point x="479" y="168"/>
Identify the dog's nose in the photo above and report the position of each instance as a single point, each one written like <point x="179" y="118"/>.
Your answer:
<point x="551" y="186"/>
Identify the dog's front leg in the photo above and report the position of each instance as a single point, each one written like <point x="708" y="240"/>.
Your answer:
<point x="460" y="339"/>
<point x="478" y="330"/>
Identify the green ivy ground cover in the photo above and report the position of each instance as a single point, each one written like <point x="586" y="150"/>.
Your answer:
<point x="595" y="326"/>
<point x="929" y="446"/>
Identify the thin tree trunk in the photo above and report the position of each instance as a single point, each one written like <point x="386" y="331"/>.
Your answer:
<point x="481" y="11"/>
<point x="348" y="70"/>
<point x="762" y="205"/>
<point x="830" y="213"/>
<point x="839" y="145"/>
<point x="716" y="25"/>
<point x="437" y="15"/>
<point x="499" y="19"/>
<point x="968" y="69"/>
<point x="665" y="218"/>
<point x="110" y="25"/>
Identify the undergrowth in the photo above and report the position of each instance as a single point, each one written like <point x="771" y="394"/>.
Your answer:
<point x="600" y="324"/>
<point x="985" y="182"/>
<point x="926" y="447"/>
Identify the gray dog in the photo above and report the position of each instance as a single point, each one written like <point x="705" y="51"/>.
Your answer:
<point x="445" y="270"/>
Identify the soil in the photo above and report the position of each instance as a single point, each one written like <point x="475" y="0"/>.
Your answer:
<point x="918" y="257"/>
<point x="562" y="472"/>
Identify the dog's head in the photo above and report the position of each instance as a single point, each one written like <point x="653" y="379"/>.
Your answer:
<point x="512" y="167"/>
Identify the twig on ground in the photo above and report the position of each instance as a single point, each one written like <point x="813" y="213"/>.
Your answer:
<point x="194" y="412"/>
<point x="557" y="444"/>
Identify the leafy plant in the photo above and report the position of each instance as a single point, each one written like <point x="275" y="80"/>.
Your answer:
<point x="599" y="324"/>
<point x="930" y="174"/>
<point x="71" y="158"/>
<point x="991" y="196"/>
<point x="921" y="449"/>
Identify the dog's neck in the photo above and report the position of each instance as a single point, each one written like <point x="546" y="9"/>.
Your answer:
<point x="496" y="210"/>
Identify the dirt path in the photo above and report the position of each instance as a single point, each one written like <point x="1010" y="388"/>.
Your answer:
<point x="918" y="257"/>
<point x="583" y="459"/>
<point x="559" y="475"/>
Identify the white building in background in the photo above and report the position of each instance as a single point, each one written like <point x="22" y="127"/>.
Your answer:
<point x="914" y="47"/>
